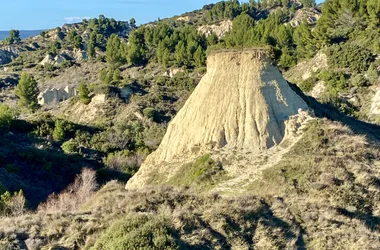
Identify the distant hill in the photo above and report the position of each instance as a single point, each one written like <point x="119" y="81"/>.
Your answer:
<point x="23" y="33"/>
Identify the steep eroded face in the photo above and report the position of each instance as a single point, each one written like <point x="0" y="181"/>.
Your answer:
<point x="242" y="104"/>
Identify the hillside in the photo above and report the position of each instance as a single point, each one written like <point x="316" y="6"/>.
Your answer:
<point x="235" y="126"/>
<point x="328" y="177"/>
<point x="23" y="34"/>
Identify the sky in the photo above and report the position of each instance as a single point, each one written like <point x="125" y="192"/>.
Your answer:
<point x="46" y="14"/>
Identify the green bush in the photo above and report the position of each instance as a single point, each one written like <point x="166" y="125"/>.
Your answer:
<point x="202" y="172"/>
<point x="59" y="132"/>
<point x="336" y="82"/>
<point x="349" y="56"/>
<point x="150" y="113"/>
<point x="6" y="116"/>
<point x="141" y="232"/>
<point x="70" y="147"/>
<point x="84" y="93"/>
<point x="308" y="85"/>
<point x="359" y="81"/>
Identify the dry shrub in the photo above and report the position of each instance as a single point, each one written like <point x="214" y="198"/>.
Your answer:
<point x="75" y="195"/>
<point x="12" y="205"/>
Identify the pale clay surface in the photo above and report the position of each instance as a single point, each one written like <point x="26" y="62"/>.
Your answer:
<point x="243" y="112"/>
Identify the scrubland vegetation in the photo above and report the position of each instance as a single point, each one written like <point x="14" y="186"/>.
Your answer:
<point x="62" y="181"/>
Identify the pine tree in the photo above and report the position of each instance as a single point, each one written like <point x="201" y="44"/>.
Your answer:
<point x="286" y="59"/>
<point x="77" y="42"/>
<point x="180" y="54"/>
<point x="113" y="53"/>
<point x="199" y="57"/>
<point x="14" y="37"/>
<point x="6" y="116"/>
<point x="27" y="91"/>
<point x="84" y="93"/>
<point x="372" y="74"/>
<point x="132" y="22"/>
<point x="212" y="39"/>
<point x="373" y="7"/>
<point x="116" y="77"/>
<point x="240" y="29"/>
<point x="59" y="132"/>
<point x="304" y="40"/>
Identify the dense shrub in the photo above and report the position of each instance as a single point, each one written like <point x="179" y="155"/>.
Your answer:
<point x="349" y="56"/>
<point x="359" y="81"/>
<point x="12" y="205"/>
<point x="150" y="113"/>
<point x="70" y="147"/>
<point x="6" y="116"/>
<point x="140" y="232"/>
<point x="308" y="84"/>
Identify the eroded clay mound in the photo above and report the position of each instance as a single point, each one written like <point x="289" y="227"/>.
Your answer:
<point x="242" y="103"/>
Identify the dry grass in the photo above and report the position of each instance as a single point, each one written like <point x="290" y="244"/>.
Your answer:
<point x="75" y="195"/>
<point x="323" y="195"/>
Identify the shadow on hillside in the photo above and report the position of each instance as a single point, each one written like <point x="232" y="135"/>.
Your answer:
<point x="27" y="163"/>
<point x="372" y="131"/>
<point x="372" y="222"/>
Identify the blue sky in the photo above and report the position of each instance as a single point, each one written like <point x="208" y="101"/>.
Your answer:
<point x="44" y="14"/>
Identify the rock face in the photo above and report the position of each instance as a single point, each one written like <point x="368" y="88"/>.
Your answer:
<point x="8" y="53"/>
<point x="56" y="95"/>
<point x="53" y="60"/>
<point x="242" y="104"/>
<point x="219" y="29"/>
<point x="305" y="69"/>
<point x="375" y="106"/>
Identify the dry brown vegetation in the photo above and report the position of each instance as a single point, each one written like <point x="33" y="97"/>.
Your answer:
<point x="75" y="195"/>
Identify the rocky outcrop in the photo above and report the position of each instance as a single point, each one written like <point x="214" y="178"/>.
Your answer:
<point x="53" y="60"/>
<point x="172" y="72"/>
<point x="8" y="53"/>
<point x="375" y="106"/>
<point x="56" y="95"/>
<point x="304" y="70"/>
<point x="311" y="16"/>
<point x="242" y="104"/>
<point x="220" y="29"/>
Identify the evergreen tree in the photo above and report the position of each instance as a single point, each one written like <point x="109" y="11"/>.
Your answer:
<point x="116" y="77"/>
<point x="6" y="116"/>
<point x="212" y="39"/>
<point x="304" y="40"/>
<point x="77" y="42"/>
<point x="14" y="37"/>
<point x="91" y="49"/>
<point x="372" y="74"/>
<point x="180" y="54"/>
<point x="84" y="93"/>
<point x="27" y="91"/>
<point x="59" y="132"/>
<point x="106" y="76"/>
<point x="136" y="52"/>
<point x="373" y="7"/>
<point x="238" y="36"/>
<point x="55" y="47"/>
<point x="199" y="57"/>
<point x="113" y="52"/>
<point x="286" y="59"/>
<point x="132" y="22"/>
<point x="136" y="55"/>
